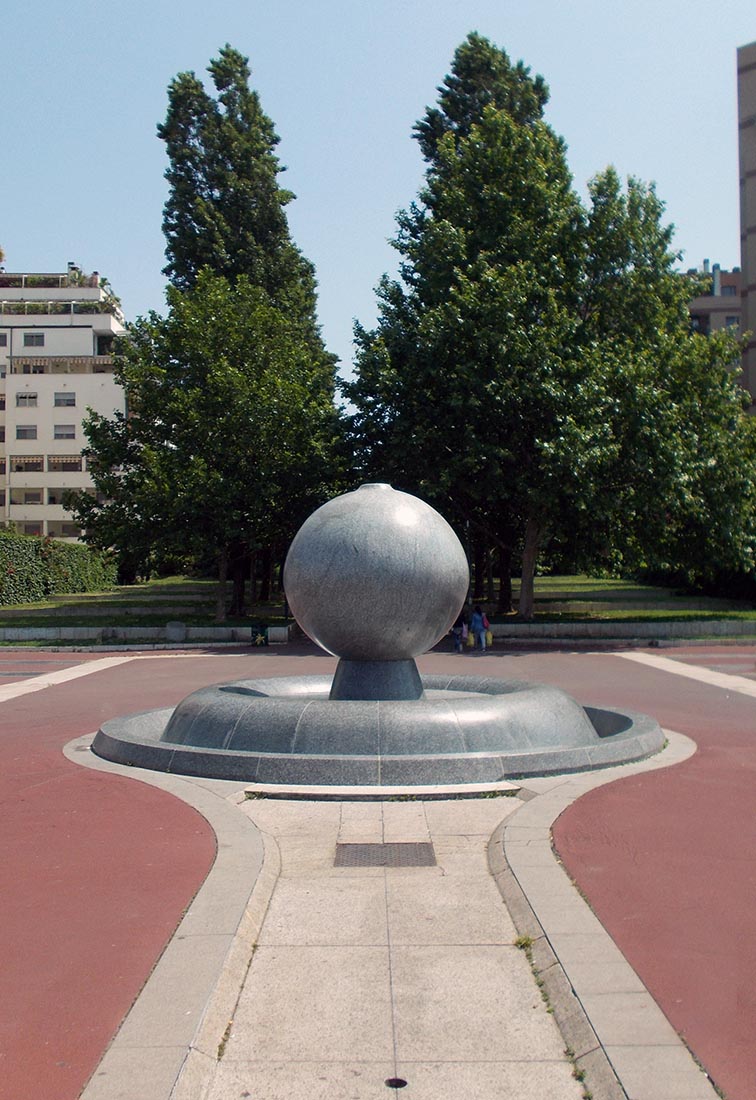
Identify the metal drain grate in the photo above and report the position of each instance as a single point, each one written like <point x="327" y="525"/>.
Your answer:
<point x="385" y="855"/>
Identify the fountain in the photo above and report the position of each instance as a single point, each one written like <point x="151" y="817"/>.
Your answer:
<point x="376" y="577"/>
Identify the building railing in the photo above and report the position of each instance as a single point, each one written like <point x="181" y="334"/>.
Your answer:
<point x="61" y="364"/>
<point x="52" y="308"/>
<point x="54" y="279"/>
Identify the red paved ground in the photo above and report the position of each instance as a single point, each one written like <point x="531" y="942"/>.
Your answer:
<point x="95" y="873"/>
<point x="96" y="870"/>
<point x="736" y="660"/>
<point x="668" y="862"/>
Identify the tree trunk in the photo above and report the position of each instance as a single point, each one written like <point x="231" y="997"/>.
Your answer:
<point x="220" y="605"/>
<point x="504" y="606"/>
<point x="238" y="569"/>
<point x="252" y="576"/>
<point x="238" y="580"/>
<point x="267" y="569"/>
<point x="490" y="586"/>
<point x="479" y="560"/>
<point x="533" y="536"/>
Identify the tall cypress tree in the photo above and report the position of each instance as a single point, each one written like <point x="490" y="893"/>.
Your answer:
<point x="225" y="208"/>
<point x="232" y="435"/>
<point x="462" y="374"/>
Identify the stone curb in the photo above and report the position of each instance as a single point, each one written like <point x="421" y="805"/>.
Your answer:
<point x="661" y="633"/>
<point x="167" y="1046"/>
<point x="579" y="1037"/>
<point x="207" y="1046"/>
<point x="546" y="906"/>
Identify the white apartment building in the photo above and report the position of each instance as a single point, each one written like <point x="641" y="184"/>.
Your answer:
<point x="56" y="332"/>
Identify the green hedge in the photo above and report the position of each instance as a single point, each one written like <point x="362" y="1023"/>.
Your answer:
<point x="32" y="568"/>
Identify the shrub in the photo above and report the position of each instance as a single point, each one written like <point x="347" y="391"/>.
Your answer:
<point x="32" y="568"/>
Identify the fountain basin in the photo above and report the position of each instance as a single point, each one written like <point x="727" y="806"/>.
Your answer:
<point x="463" y="730"/>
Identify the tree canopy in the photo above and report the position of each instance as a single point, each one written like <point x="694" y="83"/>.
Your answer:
<point x="532" y="369"/>
<point x="225" y="207"/>
<point x="230" y="435"/>
<point x="230" y="430"/>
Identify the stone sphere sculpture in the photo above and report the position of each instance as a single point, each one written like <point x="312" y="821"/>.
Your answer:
<point x="376" y="575"/>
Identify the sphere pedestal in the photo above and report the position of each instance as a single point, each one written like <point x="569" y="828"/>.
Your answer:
<point x="376" y="680"/>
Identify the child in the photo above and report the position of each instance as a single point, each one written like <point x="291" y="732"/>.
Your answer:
<point x="479" y="626"/>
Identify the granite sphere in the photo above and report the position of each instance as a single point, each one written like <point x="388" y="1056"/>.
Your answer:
<point x="376" y="575"/>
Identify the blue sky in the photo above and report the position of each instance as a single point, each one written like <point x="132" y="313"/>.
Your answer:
<point x="647" y="86"/>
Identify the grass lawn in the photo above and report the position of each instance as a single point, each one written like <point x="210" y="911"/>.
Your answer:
<point x="581" y="599"/>
<point x="191" y="601"/>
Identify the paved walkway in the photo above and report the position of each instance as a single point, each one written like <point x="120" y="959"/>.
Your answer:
<point x="439" y="995"/>
<point x="364" y="975"/>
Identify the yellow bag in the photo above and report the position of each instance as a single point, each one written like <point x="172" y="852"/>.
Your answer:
<point x="470" y="639"/>
<point x="489" y="638"/>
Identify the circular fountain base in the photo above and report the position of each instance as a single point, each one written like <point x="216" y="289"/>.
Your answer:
<point x="462" y="730"/>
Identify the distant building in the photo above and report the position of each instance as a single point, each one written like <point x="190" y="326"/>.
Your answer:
<point x="56" y="332"/>
<point x="747" y="148"/>
<point x="720" y="307"/>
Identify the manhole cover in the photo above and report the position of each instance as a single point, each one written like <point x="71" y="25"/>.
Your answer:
<point x="385" y="855"/>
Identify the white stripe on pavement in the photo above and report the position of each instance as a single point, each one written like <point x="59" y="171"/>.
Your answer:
<point x="723" y="680"/>
<point x="50" y="679"/>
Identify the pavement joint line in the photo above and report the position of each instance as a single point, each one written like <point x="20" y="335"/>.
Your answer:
<point x="527" y="891"/>
<point x="51" y="679"/>
<point x="725" y="680"/>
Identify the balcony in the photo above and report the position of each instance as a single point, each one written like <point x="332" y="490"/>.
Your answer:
<point x="62" y="364"/>
<point x="52" y="280"/>
<point x="52" y="307"/>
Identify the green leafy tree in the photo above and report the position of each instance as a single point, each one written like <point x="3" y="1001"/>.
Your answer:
<point x="231" y="430"/>
<point x="464" y="368"/>
<point x="230" y="433"/>
<point x="532" y="368"/>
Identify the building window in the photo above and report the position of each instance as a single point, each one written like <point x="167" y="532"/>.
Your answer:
<point x="26" y="400"/>
<point x="2" y="402"/>
<point x="61" y="529"/>
<point x="729" y="291"/>
<point x="2" y="498"/>
<point x="32" y="528"/>
<point x="2" y="433"/>
<point x="56" y="463"/>
<point x="27" y="463"/>
<point x="64" y="431"/>
<point x="34" y="339"/>
<point x="65" y="399"/>
<point x="26" y="431"/>
<point x="3" y="339"/>
<point x="732" y="322"/>
<point x="2" y="466"/>
<point x="32" y="496"/>
<point x="32" y="368"/>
